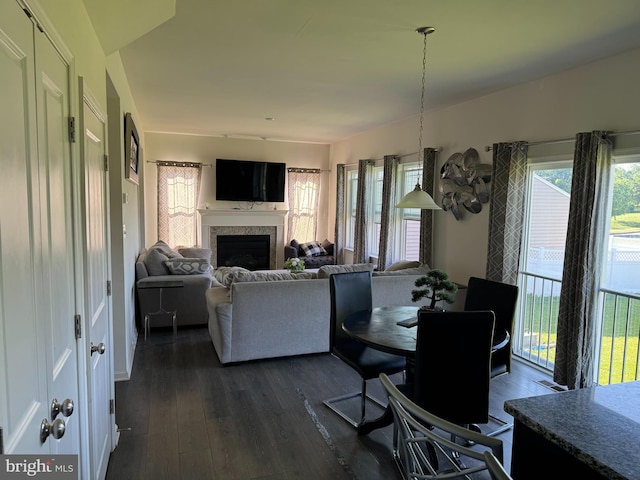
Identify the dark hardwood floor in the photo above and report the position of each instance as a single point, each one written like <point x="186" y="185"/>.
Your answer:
<point x="184" y="416"/>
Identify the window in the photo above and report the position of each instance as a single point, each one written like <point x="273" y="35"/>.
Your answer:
<point x="303" y="195"/>
<point x="541" y="269"/>
<point x="542" y="257"/>
<point x="350" y="208"/>
<point x="178" y="191"/>
<point x="409" y="237"/>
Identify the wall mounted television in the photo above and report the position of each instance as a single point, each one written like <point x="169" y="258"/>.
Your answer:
<point x="249" y="181"/>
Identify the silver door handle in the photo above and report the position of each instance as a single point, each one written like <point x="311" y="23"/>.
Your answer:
<point x="66" y="408"/>
<point x="100" y="348"/>
<point x="55" y="429"/>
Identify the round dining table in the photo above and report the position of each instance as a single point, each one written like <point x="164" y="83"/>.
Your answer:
<point x="394" y="330"/>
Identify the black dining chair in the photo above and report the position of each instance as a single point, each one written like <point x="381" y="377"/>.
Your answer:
<point x="501" y="298"/>
<point x="351" y="292"/>
<point x="452" y="366"/>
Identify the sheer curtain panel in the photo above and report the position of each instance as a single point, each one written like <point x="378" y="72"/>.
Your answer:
<point x="178" y="193"/>
<point x="303" y="195"/>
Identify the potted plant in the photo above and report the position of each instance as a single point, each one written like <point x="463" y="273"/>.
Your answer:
<point x="435" y="286"/>
<point x="294" y="264"/>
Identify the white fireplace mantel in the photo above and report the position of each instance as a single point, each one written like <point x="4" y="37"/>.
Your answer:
<point x="244" y="218"/>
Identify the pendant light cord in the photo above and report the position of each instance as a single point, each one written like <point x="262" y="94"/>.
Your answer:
<point x="424" y="73"/>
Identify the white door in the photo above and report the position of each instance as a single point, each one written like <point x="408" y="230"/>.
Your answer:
<point x="56" y="282"/>
<point x="97" y="300"/>
<point x="37" y="289"/>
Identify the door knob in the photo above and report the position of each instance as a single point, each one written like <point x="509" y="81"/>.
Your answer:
<point x="66" y="408"/>
<point x="55" y="429"/>
<point x="100" y="348"/>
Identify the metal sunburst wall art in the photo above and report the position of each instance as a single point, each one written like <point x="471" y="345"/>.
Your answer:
<point x="463" y="183"/>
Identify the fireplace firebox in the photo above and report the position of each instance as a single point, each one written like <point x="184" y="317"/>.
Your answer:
<point x="246" y="251"/>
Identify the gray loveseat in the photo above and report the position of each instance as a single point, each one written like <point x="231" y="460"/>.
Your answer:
<point x="321" y="253"/>
<point x="189" y="300"/>
<point x="265" y="318"/>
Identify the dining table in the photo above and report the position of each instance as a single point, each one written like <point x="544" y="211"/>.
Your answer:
<point x="394" y="330"/>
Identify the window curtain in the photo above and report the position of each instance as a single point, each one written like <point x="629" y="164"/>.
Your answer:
<point x="365" y="176"/>
<point x="338" y="238"/>
<point x="389" y="214"/>
<point x="178" y="193"/>
<point x="585" y="249"/>
<point x="506" y="213"/>
<point x="303" y="195"/>
<point x="426" y="216"/>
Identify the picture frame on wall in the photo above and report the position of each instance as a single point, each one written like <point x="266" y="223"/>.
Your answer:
<point x="132" y="150"/>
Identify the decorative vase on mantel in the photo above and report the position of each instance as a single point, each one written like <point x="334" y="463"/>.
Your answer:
<point x="434" y="286"/>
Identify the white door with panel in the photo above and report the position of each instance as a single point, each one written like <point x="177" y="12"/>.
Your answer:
<point x="38" y="365"/>
<point x="96" y="272"/>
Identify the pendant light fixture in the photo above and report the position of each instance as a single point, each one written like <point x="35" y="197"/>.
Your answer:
<point x="418" y="198"/>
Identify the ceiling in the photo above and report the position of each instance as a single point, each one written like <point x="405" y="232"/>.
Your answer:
<point x="326" y="70"/>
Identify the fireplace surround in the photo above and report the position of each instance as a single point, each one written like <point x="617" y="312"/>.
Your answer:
<point x="214" y="223"/>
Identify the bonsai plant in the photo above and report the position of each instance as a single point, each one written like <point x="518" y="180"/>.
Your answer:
<point x="435" y="286"/>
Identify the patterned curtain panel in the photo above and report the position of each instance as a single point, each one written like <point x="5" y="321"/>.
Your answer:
<point x="178" y="193"/>
<point x="390" y="214"/>
<point x="360" y="250"/>
<point x="426" y="216"/>
<point x="338" y="246"/>
<point x="585" y="249"/>
<point x="303" y="196"/>
<point x="506" y="213"/>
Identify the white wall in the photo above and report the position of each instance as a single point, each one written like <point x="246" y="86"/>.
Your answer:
<point x="192" y="148"/>
<point x="603" y="95"/>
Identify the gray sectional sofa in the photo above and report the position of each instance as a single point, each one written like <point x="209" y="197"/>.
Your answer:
<point x="258" y="317"/>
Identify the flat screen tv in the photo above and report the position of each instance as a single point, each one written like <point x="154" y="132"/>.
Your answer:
<point x="248" y="181"/>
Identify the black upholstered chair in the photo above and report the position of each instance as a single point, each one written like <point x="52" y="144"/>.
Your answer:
<point x="351" y="292"/>
<point x="452" y="365"/>
<point x="501" y="299"/>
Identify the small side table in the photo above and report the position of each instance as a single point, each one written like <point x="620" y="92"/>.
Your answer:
<point x="160" y="286"/>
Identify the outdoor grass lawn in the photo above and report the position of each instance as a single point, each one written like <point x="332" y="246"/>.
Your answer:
<point x="622" y="366"/>
<point x="627" y="223"/>
<point x="610" y="372"/>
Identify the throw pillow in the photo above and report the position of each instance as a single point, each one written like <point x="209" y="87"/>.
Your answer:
<point x="224" y="275"/>
<point x="328" y="246"/>
<point x="188" y="266"/>
<point x="402" y="265"/>
<point x="165" y="249"/>
<point x="154" y="261"/>
<point x="194" y="252"/>
<point x="327" y="270"/>
<point x="312" y="249"/>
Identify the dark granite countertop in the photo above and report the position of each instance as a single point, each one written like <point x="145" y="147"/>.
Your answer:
<point x="599" y="426"/>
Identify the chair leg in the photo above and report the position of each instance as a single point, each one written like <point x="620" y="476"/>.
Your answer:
<point x="330" y="403"/>
<point x="504" y="426"/>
